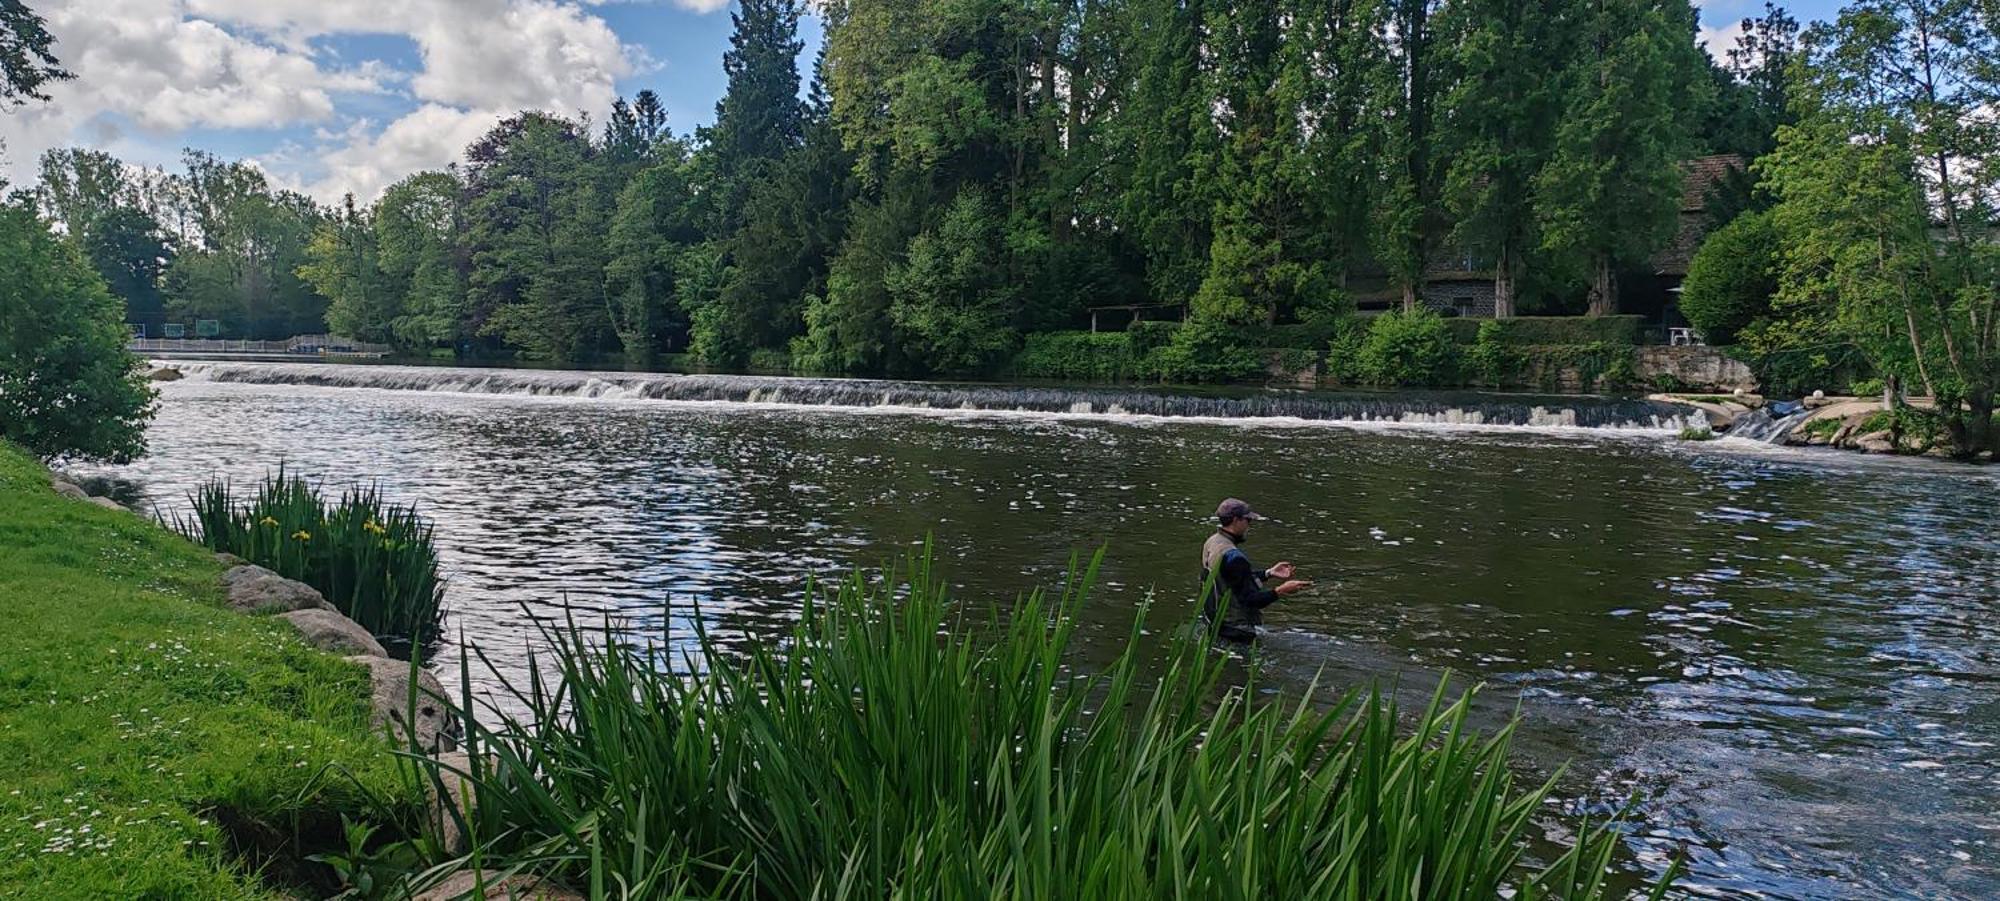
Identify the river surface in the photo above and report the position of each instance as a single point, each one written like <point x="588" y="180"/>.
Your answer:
<point x="1791" y="659"/>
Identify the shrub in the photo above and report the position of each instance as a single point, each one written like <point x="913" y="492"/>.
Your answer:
<point x="1869" y="387"/>
<point x="1530" y="330"/>
<point x="1493" y="361"/>
<point x="895" y="746"/>
<point x="1408" y="349"/>
<point x="68" y="388"/>
<point x="1732" y="277"/>
<point x="1083" y="356"/>
<point x="1203" y="351"/>
<point x="1693" y="434"/>
<point x="375" y="562"/>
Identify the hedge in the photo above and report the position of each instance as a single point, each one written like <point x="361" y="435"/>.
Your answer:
<point x="1086" y="356"/>
<point x="1547" y="330"/>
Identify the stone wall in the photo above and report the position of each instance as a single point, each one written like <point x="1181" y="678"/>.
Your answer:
<point x="1464" y="297"/>
<point x="1695" y="368"/>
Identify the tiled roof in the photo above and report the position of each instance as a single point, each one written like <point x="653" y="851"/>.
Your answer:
<point x="1702" y="175"/>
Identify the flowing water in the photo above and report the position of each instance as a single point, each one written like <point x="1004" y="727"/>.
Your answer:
<point x="1790" y="658"/>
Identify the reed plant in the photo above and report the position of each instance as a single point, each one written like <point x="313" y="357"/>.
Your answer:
<point x="375" y="561"/>
<point x="897" y="746"/>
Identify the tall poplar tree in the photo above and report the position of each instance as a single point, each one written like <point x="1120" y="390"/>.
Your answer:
<point x="1610" y="193"/>
<point x="1502" y="106"/>
<point x="1410" y="217"/>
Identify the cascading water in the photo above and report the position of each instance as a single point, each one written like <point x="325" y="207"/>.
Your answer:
<point x="1771" y="424"/>
<point x="1483" y="410"/>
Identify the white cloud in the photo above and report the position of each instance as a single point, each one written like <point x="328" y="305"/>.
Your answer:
<point x="170" y="65"/>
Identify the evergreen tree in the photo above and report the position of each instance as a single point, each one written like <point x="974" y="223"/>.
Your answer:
<point x="1409" y="215"/>
<point x="950" y="301"/>
<point x="536" y="223"/>
<point x="1161" y="142"/>
<point x="1502" y="105"/>
<point x="1610" y="192"/>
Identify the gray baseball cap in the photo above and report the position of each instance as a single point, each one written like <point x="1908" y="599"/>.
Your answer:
<point x="1231" y="508"/>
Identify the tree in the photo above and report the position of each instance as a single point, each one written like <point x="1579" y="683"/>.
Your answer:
<point x="27" y="60"/>
<point x="343" y="267"/>
<point x="240" y="264"/>
<point x="759" y="117"/>
<point x="419" y="231"/>
<point x="951" y="302"/>
<point x="78" y="186"/>
<point x="68" y="388"/>
<point x="651" y="229"/>
<point x="1732" y="277"/>
<point x="127" y="247"/>
<point x="1609" y="194"/>
<point x="1503" y="105"/>
<point x="536" y="223"/>
<point x="1409" y="214"/>
<point x="1886" y="200"/>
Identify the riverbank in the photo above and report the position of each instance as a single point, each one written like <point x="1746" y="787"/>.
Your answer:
<point x="145" y="730"/>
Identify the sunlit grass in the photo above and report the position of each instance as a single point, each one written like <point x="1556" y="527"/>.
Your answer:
<point x="373" y="560"/>
<point x="136" y="714"/>
<point x="891" y="747"/>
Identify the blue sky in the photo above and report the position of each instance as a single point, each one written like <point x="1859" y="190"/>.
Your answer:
<point x="332" y="96"/>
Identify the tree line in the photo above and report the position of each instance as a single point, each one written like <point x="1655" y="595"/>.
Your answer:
<point x="953" y="176"/>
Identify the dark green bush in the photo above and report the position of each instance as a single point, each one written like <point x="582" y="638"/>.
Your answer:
<point x="1146" y="337"/>
<point x="1528" y="330"/>
<point x="1083" y="356"/>
<point x="766" y="359"/>
<point x="1405" y="349"/>
<point x="1203" y="352"/>
<point x="1491" y="360"/>
<point x="1314" y="335"/>
<point x="1732" y="277"/>
<point x="374" y="561"/>
<point x="68" y="388"/>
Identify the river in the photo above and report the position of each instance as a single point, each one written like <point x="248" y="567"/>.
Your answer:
<point x="1790" y="658"/>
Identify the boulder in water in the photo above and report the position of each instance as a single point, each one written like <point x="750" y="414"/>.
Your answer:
<point x="254" y="589"/>
<point x="494" y="885"/>
<point x="165" y="374"/>
<point x="434" y="730"/>
<point x="330" y="631"/>
<point x="68" y="490"/>
<point x="108" y="504"/>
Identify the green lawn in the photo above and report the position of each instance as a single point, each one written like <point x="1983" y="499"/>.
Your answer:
<point x="136" y="713"/>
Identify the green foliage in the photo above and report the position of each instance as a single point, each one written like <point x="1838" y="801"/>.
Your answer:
<point x="1492" y="360"/>
<point x="951" y="300"/>
<point x="1820" y="428"/>
<point x="652" y="228"/>
<point x="1693" y="434"/>
<point x="1610" y="190"/>
<point x="419" y="226"/>
<point x="1405" y="349"/>
<point x="1869" y="387"/>
<point x="27" y="63"/>
<point x="68" y="388"/>
<point x="241" y="247"/>
<point x="372" y="560"/>
<point x="893" y="745"/>
<point x="1885" y="223"/>
<point x="137" y="715"/>
<point x="1077" y="356"/>
<point x="1731" y="280"/>
<point x="1202" y="351"/>
<point x="537" y="220"/>
<point x="1523" y="331"/>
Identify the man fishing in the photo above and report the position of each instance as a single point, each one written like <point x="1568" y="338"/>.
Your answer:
<point x="1235" y="588"/>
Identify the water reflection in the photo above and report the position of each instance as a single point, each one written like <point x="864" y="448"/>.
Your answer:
<point x="1794" y="662"/>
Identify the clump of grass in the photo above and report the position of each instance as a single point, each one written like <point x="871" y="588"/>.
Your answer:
<point x="374" y="561"/>
<point x="892" y="747"/>
<point x="1820" y="428"/>
<point x="1694" y="434"/>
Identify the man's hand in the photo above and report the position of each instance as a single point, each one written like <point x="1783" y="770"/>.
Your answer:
<point x="1292" y="587"/>
<point x="1283" y="570"/>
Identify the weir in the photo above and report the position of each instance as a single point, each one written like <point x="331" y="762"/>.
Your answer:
<point x="1408" y="409"/>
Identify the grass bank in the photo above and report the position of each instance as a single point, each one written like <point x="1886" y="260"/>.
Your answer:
<point x="138" y="718"/>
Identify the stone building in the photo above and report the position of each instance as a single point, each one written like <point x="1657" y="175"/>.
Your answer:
<point x="1460" y="283"/>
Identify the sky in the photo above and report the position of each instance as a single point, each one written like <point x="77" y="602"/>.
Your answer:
<point x="336" y="96"/>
